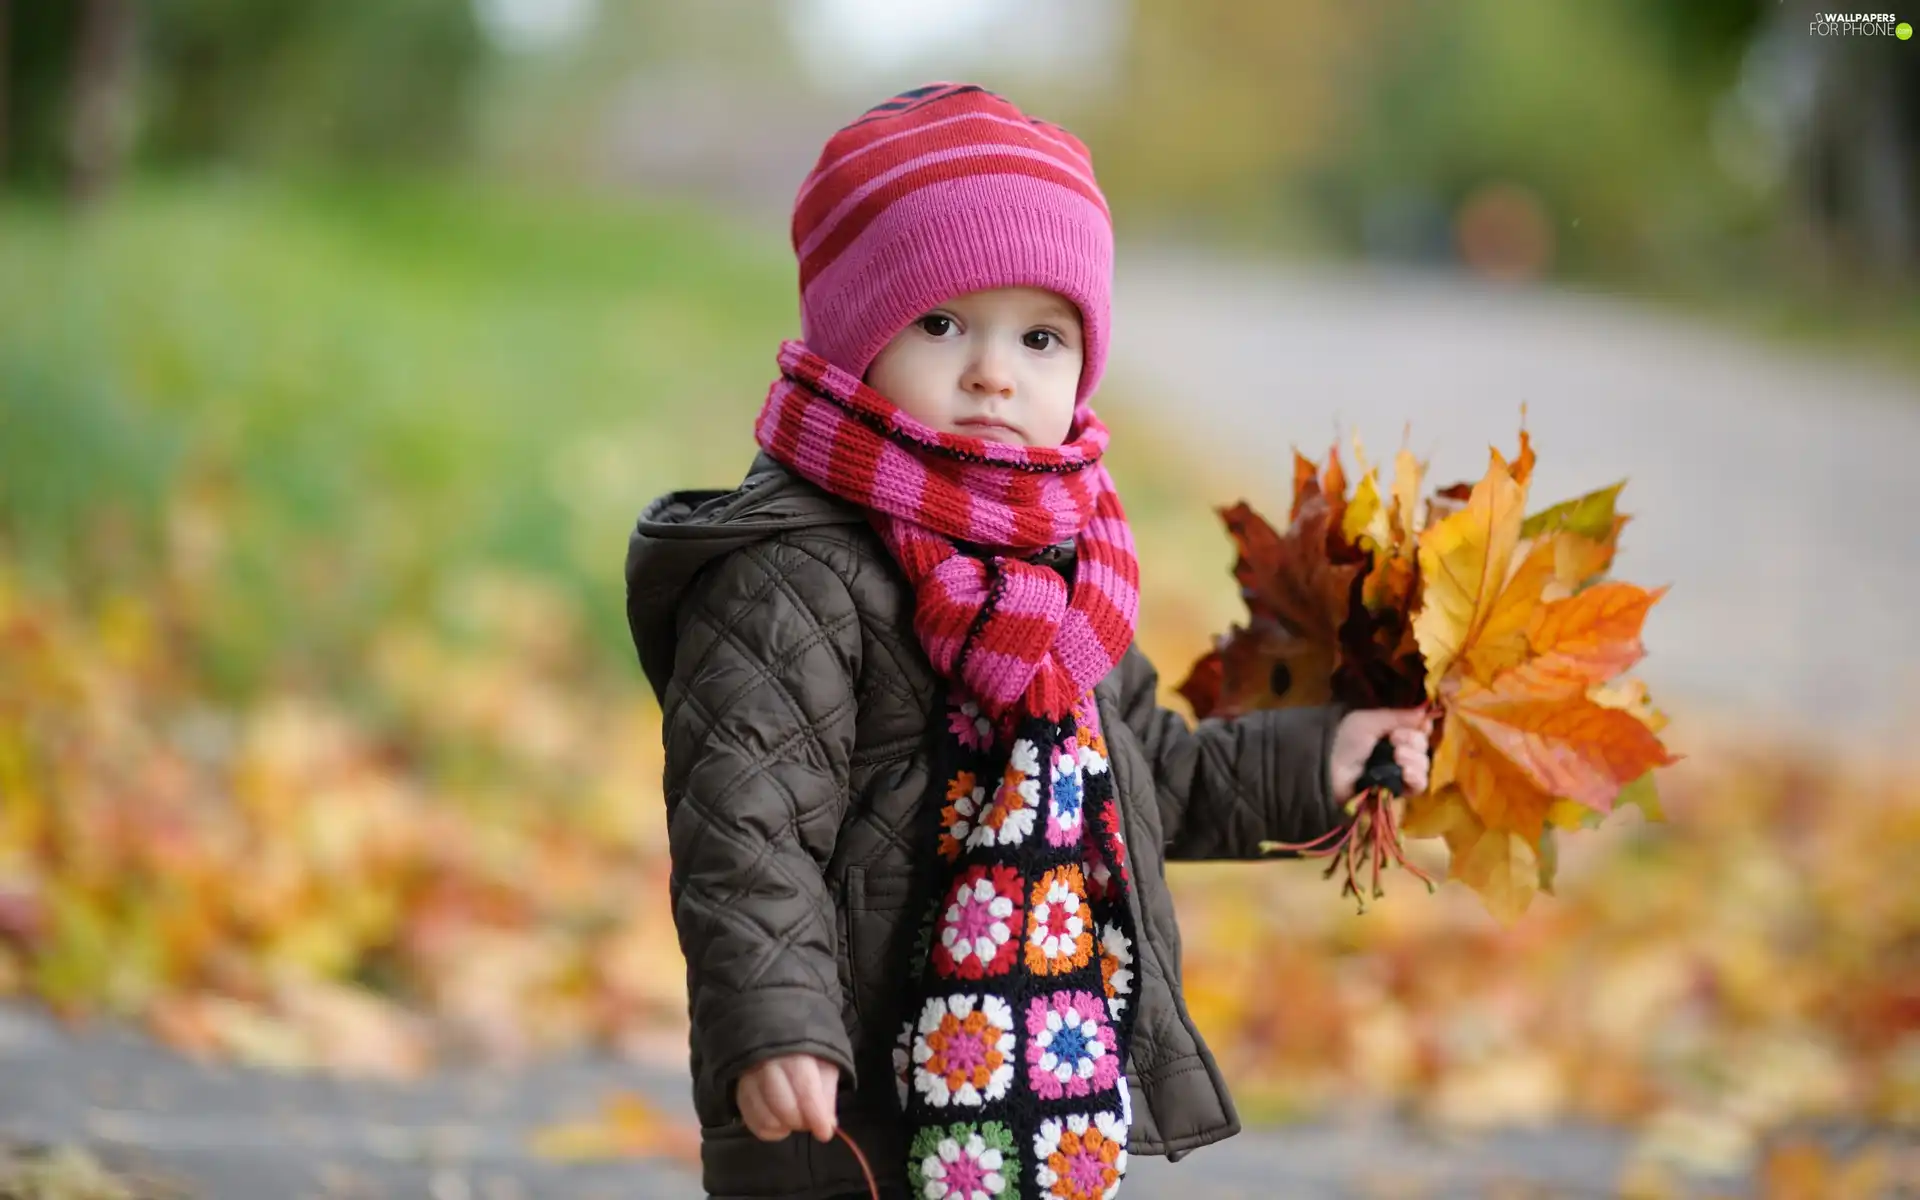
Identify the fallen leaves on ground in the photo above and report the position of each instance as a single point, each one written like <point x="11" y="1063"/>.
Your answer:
<point x="626" y="1126"/>
<point x="69" y="1172"/>
<point x="472" y="864"/>
<point x="1752" y="964"/>
<point x="472" y="868"/>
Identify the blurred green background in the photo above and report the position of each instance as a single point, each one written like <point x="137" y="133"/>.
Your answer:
<point x="436" y="280"/>
<point x="341" y="341"/>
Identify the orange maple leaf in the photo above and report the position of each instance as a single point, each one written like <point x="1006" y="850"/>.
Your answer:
<point x="1590" y="637"/>
<point x="1514" y="750"/>
<point x="1333" y="486"/>
<point x="1523" y="465"/>
<point x="1306" y="482"/>
<point x="1329" y="485"/>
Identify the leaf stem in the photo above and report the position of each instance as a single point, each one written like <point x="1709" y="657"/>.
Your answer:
<point x="1368" y="843"/>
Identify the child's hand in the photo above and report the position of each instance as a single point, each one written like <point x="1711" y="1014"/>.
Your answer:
<point x="789" y="1094"/>
<point x="1353" y="742"/>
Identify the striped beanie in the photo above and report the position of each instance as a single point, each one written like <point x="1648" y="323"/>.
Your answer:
<point x="943" y="190"/>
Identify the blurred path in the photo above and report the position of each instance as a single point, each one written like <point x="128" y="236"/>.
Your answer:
<point x="1779" y="492"/>
<point x="227" y="1133"/>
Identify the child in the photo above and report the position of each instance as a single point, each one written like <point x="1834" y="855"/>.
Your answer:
<point x="919" y="793"/>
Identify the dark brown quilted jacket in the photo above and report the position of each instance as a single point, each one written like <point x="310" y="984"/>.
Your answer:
<point x="777" y="633"/>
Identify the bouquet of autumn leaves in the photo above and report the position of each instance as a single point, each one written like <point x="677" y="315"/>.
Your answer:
<point x="1506" y="623"/>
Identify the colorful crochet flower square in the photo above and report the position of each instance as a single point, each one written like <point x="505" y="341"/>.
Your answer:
<point x="1070" y="1046"/>
<point x="965" y="799"/>
<point x="1080" y="1157"/>
<point x="1059" y="923"/>
<point x="968" y="725"/>
<point x="1066" y="793"/>
<point x="963" y="1050"/>
<point x="1093" y="753"/>
<point x="1010" y="817"/>
<point x="979" y="929"/>
<point x="964" y="1161"/>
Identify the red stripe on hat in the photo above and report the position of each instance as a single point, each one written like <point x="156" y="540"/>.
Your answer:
<point x="877" y="126"/>
<point x="871" y="206"/>
<point x="843" y="170"/>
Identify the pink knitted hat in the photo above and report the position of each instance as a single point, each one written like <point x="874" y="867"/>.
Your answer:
<point x="940" y="191"/>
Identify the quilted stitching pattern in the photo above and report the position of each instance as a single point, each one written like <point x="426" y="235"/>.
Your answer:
<point x="1224" y="786"/>
<point x="759" y="725"/>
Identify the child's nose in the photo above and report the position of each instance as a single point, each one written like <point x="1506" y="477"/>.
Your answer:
<point x="989" y="372"/>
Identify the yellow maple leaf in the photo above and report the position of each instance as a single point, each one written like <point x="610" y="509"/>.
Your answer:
<point x="1402" y="514"/>
<point x="1365" y="518"/>
<point x="1567" y="814"/>
<point x="1463" y="565"/>
<point x="1503" y="867"/>
<point x="1502" y="640"/>
<point x="1436" y="812"/>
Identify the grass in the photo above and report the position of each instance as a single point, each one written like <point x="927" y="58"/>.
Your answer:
<point x="363" y="387"/>
<point x="349" y="394"/>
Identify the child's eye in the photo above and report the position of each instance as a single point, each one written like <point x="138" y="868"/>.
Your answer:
<point x="936" y="324"/>
<point x="1042" y="339"/>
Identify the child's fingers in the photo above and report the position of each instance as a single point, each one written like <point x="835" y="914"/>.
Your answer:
<point x="1406" y="718"/>
<point x="815" y="1095"/>
<point x="1413" y="766"/>
<point x="754" y="1113"/>
<point x="1376" y="723"/>
<point x="781" y="1101"/>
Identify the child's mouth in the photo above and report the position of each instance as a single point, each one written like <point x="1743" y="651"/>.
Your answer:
<point x="992" y="431"/>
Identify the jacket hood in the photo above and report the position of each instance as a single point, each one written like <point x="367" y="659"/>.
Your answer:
<point x="681" y="532"/>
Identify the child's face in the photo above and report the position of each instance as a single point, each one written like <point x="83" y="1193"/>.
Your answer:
<point x="1002" y="365"/>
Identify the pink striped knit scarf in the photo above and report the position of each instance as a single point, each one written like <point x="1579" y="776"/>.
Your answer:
<point x="1007" y="630"/>
<point x="1010" y="1061"/>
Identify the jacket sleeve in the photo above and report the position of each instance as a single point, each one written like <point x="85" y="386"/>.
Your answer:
<point x="1228" y="784"/>
<point x="759" y="727"/>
